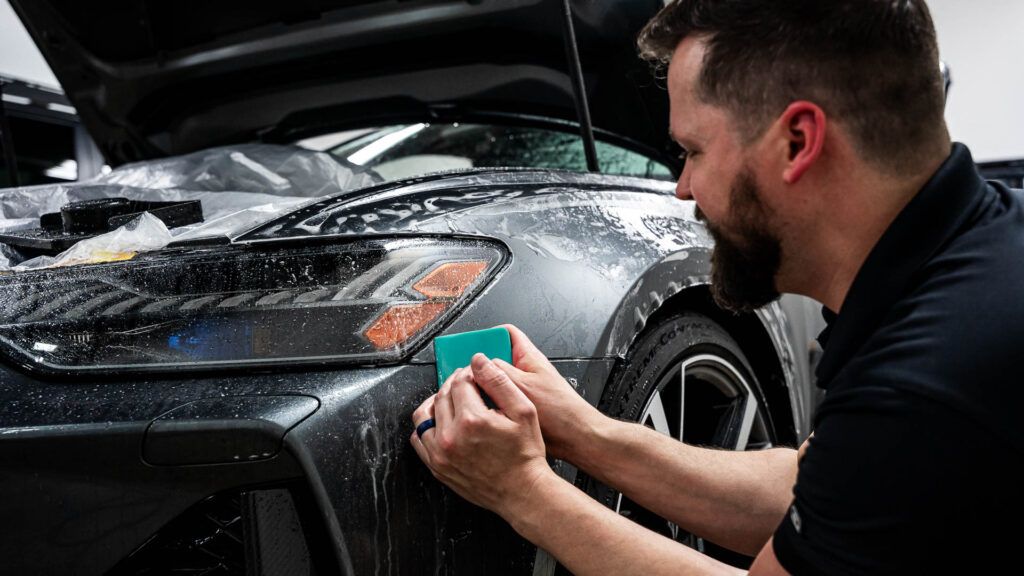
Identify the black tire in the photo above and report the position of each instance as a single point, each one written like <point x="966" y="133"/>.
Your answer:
<point x="683" y="343"/>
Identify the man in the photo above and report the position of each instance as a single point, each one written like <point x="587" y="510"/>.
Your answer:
<point x="819" y="158"/>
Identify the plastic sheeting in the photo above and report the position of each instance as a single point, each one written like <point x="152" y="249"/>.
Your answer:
<point x="258" y="168"/>
<point x="143" y="234"/>
<point x="239" y="187"/>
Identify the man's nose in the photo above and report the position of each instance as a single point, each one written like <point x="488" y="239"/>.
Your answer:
<point x="683" y="191"/>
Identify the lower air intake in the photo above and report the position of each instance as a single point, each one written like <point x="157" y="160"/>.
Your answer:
<point x="237" y="533"/>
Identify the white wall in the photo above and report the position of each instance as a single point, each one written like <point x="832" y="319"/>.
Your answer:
<point x="981" y="40"/>
<point x="18" y="55"/>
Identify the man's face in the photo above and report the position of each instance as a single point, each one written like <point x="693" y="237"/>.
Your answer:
<point x="721" y="178"/>
<point x="745" y="260"/>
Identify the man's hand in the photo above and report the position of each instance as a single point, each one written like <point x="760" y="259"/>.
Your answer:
<point x="496" y="459"/>
<point x="565" y="418"/>
<point x="493" y="458"/>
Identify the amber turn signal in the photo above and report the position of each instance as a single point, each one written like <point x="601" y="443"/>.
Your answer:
<point x="402" y="321"/>
<point x="441" y="285"/>
<point x="450" y="280"/>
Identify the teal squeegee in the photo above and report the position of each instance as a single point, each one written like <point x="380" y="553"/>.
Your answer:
<point x="456" y="350"/>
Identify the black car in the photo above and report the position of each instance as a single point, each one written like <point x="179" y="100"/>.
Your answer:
<point x="236" y="398"/>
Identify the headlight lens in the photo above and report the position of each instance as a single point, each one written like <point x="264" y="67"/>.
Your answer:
<point x="365" y="301"/>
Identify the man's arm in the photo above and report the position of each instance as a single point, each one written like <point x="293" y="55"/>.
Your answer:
<point x="495" y="458"/>
<point x="734" y="499"/>
<point x="588" y="538"/>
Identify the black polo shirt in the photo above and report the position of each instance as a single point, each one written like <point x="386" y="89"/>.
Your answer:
<point x="916" y="463"/>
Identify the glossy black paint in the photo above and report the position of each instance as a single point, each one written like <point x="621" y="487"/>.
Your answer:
<point x="224" y="430"/>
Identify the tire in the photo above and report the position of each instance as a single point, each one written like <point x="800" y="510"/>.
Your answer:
<point x="708" y="396"/>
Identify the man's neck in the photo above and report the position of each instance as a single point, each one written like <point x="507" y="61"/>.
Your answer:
<point x="828" y="257"/>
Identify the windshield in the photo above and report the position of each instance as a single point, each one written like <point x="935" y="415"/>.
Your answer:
<point x="402" y="151"/>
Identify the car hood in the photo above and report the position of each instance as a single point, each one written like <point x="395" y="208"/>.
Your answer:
<point x="154" y="78"/>
<point x="268" y="192"/>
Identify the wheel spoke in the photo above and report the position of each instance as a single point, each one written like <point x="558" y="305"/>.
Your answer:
<point x="682" y="399"/>
<point x="746" y="423"/>
<point x="656" y="415"/>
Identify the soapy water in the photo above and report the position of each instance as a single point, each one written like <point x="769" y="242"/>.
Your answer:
<point x="378" y="458"/>
<point x="616" y="232"/>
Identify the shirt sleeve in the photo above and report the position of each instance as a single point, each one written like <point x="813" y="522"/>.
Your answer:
<point x="893" y="483"/>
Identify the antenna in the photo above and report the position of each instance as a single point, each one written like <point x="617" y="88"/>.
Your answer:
<point x="579" y="89"/>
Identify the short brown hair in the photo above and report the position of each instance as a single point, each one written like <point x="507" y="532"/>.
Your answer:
<point x="872" y="65"/>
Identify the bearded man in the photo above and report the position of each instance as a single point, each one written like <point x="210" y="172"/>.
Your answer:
<point x="818" y="156"/>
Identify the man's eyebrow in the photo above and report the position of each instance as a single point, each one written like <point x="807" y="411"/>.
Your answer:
<point x="680" y="140"/>
<point x="674" y="137"/>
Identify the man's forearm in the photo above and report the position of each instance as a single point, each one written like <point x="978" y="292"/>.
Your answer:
<point x="588" y="538"/>
<point x="734" y="499"/>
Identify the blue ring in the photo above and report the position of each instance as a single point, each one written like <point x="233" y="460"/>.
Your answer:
<point x="424" y="426"/>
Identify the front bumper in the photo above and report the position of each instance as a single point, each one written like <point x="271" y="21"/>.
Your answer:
<point x="85" y="494"/>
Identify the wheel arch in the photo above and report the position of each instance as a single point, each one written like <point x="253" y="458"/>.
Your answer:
<point x="760" y="336"/>
<point x="761" y="348"/>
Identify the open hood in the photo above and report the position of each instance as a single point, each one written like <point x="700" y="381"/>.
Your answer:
<point x="152" y="78"/>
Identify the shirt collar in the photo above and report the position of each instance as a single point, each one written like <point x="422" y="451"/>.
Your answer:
<point x="917" y="233"/>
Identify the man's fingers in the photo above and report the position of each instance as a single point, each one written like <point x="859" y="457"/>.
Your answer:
<point x="466" y="395"/>
<point x="514" y="373"/>
<point x="523" y="348"/>
<point x="444" y="412"/>
<point x="505" y="394"/>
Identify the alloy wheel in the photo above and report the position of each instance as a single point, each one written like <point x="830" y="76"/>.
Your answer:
<point x="704" y="400"/>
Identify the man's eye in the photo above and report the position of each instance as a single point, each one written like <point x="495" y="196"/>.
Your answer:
<point x="683" y="155"/>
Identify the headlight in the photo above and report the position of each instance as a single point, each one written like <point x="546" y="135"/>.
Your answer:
<point x="365" y="301"/>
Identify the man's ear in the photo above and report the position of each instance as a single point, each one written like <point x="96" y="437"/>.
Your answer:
<point x="803" y="125"/>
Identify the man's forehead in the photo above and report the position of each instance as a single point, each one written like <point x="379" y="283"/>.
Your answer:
<point x="683" y="75"/>
<point x="686" y="64"/>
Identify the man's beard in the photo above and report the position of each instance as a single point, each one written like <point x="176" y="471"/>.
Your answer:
<point x="743" y="270"/>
